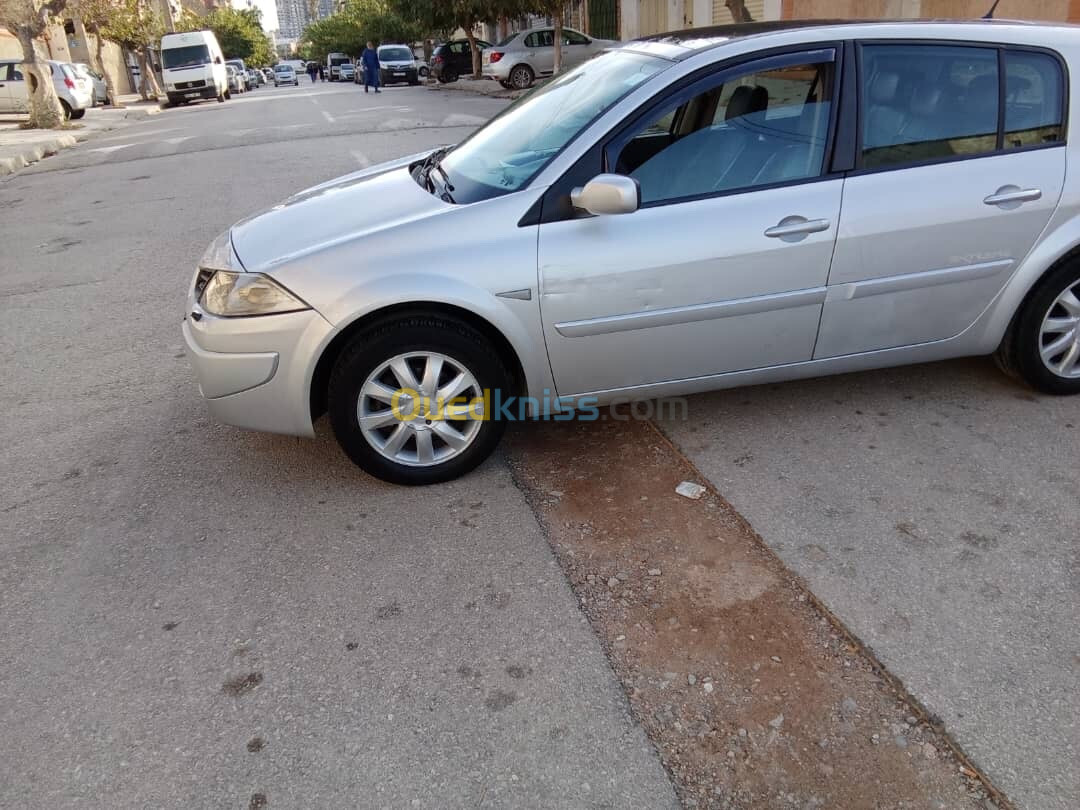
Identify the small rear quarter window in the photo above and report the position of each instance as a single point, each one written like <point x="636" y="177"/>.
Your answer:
<point x="1034" y="99"/>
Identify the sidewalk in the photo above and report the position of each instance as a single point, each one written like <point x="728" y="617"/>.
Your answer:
<point x="483" y="87"/>
<point x="21" y="147"/>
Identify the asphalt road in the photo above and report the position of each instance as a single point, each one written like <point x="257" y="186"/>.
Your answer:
<point x="194" y="616"/>
<point x="933" y="509"/>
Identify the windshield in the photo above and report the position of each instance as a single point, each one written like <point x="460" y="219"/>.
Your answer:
<point x="395" y="55"/>
<point x="339" y="60"/>
<point x="514" y="146"/>
<point x="187" y="56"/>
<point x="282" y="68"/>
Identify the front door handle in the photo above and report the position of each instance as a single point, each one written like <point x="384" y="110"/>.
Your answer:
<point x="792" y="229"/>
<point x="1010" y="197"/>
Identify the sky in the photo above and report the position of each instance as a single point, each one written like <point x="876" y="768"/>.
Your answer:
<point x="268" y="9"/>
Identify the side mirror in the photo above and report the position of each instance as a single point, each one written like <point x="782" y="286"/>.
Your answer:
<point x="217" y="60"/>
<point x="608" y="194"/>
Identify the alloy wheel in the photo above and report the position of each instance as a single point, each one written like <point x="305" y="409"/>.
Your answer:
<point x="521" y="77"/>
<point x="1059" y="337"/>
<point x="420" y="408"/>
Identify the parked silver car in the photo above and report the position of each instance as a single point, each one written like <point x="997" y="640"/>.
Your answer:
<point x="97" y="81"/>
<point x="520" y="58"/>
<point x="667" y="219"/>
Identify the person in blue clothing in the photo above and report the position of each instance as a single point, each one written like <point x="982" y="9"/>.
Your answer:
<point x="370" y="60"/>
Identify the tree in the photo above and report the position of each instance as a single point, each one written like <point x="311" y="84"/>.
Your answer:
<point x="359" y="22"/>
<point x="239" y="32"/>
<point x="136" y="26"/>
<point x="739" y="12"/>
<point x="95" y="15"/>
<point x="27" y="20"/>
<point x="554" y="9"/>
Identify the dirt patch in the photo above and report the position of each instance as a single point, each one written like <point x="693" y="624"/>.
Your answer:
<point x="753" y="696"/>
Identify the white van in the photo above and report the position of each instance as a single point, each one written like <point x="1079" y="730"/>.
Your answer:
<point x="193" y="67"/>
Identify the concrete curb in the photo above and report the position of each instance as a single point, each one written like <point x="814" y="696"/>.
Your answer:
<point x="32" y="153"/>
<point x="478" y="88"/>
<point x="29" y="153"/>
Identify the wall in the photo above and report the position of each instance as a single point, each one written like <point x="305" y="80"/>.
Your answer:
<point x="1060" y="10"/>
<point x="640" y="18"/>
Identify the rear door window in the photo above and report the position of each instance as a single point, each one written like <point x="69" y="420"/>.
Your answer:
<point x="540" y="39"/>
<point x="928" y="102"/>
<point x="1034" y="99"/>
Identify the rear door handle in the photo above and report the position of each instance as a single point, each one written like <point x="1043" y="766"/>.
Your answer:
<point x="1013" y="196"/>
<point x="792" y="229"/>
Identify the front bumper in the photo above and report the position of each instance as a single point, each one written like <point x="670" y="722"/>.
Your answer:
<point x="256" y="372"/>
<point x="398" y="76"/>
<point x="191" y="94"/>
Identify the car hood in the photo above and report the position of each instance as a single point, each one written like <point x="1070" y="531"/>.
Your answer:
<point x="368" y="201"/>
<point x="396" y="65"/>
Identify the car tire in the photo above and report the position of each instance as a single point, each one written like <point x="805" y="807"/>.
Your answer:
<point x="521" y="77"/>
<point x="77" y="114"/>
<point x="363" y="364"/>
<point x="66" y="108"/>
<point x="505" y="84"/>
<point x="447" y="76"/>
<point x="1042" y="344"/>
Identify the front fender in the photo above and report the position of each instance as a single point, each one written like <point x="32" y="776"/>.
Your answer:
<point x="518" y="321"/>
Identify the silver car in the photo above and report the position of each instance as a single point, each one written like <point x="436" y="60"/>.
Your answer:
<point x="729" y="207"/>
<point x="520" y="58"/>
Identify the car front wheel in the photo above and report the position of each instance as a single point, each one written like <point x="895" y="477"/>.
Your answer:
<point x="408" y="398"/>
<point x="1043" y="343"/>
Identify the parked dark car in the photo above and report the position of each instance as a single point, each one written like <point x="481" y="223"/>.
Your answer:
<point x="453" y="59"/>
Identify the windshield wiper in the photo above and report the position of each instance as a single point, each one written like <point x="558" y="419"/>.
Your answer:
<point x="432" y="163"/>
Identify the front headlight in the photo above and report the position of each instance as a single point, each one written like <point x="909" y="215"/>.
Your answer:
<point x="230" y="294"/>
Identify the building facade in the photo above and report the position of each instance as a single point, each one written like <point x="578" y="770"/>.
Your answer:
<point x="637" y="18"/>
<point x="295" y="15"/>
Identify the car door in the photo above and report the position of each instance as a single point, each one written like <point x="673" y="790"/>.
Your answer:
<point x="724" y="264"/>
<point x="946" y="200"/>
<point x="540" y="47"/>
<point x="6" y="104"/>
<point x="18" y="96"/>
<point x="574" y="48"/>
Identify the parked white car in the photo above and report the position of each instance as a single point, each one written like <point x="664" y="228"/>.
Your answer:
<point x="76" y="94"/>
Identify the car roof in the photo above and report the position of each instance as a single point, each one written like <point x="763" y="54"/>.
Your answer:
<point x="681" y="44"/>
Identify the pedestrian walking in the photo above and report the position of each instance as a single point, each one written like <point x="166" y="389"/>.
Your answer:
<point x="311" y="71"/>
<point x="370" y="60"/>
<point x="322" y="72"/>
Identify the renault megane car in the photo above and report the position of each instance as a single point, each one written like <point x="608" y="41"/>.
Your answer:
<point x="687" y="212"/>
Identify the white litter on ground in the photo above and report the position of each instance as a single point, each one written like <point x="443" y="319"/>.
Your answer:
<point x="688" y="489"/>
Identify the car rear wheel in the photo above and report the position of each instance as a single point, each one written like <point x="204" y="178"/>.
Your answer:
<point x="77" y="114"/>
<point x="521" y="77"/>
<point x="406" y="399"/>
<point x="448" y="76"/>
<point x="1042" y="345"/>
<point x="66" y="108"/>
